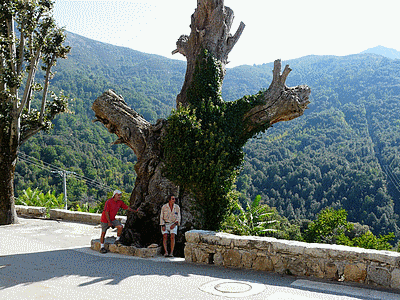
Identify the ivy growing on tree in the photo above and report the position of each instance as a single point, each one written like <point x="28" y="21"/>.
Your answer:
<point x="195" y="153"/>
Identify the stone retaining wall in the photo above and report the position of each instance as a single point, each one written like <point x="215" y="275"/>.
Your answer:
<point x="332" y="262"/>
<point x="62" y="214"/>
<point x="151" y="251"/>
<point x="78" y="216"/>
<point x="30" y="211"/>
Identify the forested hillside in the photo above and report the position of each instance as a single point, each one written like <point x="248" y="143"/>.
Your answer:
<point x="341" y="153"/>
<point x="148" y="83"/>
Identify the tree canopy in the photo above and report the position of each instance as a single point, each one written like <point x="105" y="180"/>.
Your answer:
<point x="29" y="39"/>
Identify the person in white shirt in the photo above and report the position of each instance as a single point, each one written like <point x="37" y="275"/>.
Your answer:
<point x="170" y="219"/>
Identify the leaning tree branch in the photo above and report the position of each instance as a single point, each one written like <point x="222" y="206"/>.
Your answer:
<point x="130" y="127"/>
<point x="210" y="29"/>
<point x="233" y="40"/>
<point x="280" y="103"/>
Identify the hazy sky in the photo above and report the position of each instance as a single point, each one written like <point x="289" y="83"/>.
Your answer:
<point x="285" y="29"/>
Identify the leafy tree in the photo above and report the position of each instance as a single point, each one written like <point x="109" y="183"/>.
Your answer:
<point x="329" y="227"/>
<point x="369" y="241"/>
<point x="29" y="38"/>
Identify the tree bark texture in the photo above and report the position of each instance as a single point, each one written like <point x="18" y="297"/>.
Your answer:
<point x="38" y="39"/>
<point x="151" y="189"/>
<point x="210" y="30"/>
<point x="7" y="204"/>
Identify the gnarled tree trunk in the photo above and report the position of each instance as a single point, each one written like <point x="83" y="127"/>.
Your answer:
<point x="210" y="30"/>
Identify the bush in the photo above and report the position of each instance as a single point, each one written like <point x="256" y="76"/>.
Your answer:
<point x="256" y="219"/>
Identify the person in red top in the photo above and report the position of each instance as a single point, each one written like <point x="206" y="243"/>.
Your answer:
<point x="108" y="217"/>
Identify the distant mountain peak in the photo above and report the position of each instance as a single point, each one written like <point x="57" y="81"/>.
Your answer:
<point x="386" y="52"/>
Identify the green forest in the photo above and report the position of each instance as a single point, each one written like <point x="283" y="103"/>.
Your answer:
<point x="342" y="153"/>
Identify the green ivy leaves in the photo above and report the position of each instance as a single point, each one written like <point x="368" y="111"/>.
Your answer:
<point x="203" y="145"/>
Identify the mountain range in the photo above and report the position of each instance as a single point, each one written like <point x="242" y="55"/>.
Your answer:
<point x="342" y="153"/>
<point x="386" y="52"/>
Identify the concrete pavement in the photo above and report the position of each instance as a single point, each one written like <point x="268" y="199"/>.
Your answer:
<point x="45" y="259"/>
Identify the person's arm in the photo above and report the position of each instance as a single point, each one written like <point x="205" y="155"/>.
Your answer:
<point x="178" y="217"/>
<point x="126" y="207"/>
<point x="162" y="222"/>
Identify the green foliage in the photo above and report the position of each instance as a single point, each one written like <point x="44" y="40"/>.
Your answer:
<point x="254" y="220"/>
<point x="35" y="197"/>
<point x="329" y="227"/>
<point x="29" y="37"/>
<point x="342" y="153"/>
<point x="369" y="241"/>
<point x="203" y="145"/>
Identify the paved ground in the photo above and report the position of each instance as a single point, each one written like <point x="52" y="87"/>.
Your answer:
<point x="43" y="259"/>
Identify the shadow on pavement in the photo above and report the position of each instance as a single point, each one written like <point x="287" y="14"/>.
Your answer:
<point x="30" y="268"/>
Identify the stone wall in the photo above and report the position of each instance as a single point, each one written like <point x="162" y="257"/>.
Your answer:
<point x="331" y="262"/>
<point x="30" y="211"/>
<point x="77" y="216"/>
<point x="151" y="251"/>
<point x="62" y="214"/>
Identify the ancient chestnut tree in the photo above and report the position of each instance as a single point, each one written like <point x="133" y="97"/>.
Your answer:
<point x="29" y="39"/>
<point x="197" y="151"/>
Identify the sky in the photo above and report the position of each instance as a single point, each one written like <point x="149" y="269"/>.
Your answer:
<point x="284" y="29"/>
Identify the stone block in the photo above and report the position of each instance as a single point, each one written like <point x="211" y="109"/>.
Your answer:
<point x="297" y="265"/>
<point x="379" y="275"/>
<point x="189" y="257"/>
<point x="125" y="250"/>
<point x="355" y="272"/>
<point x="263" y="263"/>
<point x="226" y="242"/>
<point x="280" y="263"/>
<point x="345" y="253"/>
<point x="248" y="258"/>
<point x="142" y="252"/>
<point x="232" y="258"/>
<point x="331" y="270"/>
<point x="33" y="211"/>
<point x="210" y="239"/>
<point x="218" y="258"/>
<point x="314" y="267"/>
<point x="260" y="243"/>
<point x="240" y="241"/>
<point x="200" y="256"/>
<point x="289" y="247"/>
<point x="385" y="257"/>
<point x="112" y="248"/>
<point x="314" y="251"/>
<point x="192" y="236"/>
<point x="395" y="279"/>
<point x="95" y="245"/>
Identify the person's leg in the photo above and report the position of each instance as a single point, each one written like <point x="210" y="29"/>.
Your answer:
<point x="102" y="236"/>
<point x="104" y="227"/>
<point x="172" y="243"/>
<point x="117" y="224"/>
<point x="119" y="230"/>
<point x="165" y="238"/>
